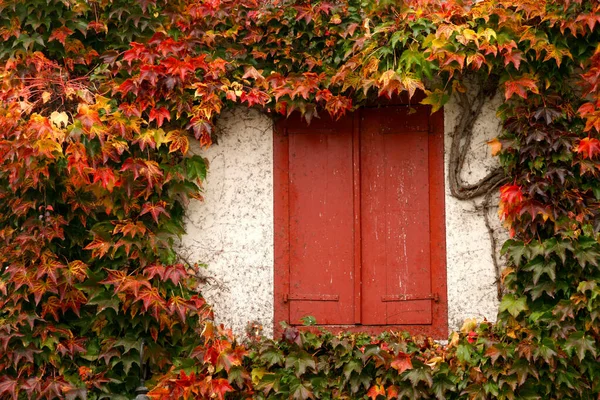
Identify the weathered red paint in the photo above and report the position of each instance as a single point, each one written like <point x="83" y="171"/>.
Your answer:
<point x="359" y="221"/>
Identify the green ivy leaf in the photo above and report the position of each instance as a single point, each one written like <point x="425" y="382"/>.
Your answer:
<point x="514" y="305"/>
<point x="421" y="374"/>
<point x="580" y="344"/>
<point x="195" y="167"/>
<point x="299" y="362"/>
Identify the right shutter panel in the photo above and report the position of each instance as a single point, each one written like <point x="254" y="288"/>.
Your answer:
<point x="396" y="271"/>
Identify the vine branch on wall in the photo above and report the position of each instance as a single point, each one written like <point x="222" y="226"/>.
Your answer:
<point x="461" y="142"/>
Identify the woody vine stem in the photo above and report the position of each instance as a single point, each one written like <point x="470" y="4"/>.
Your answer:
<point x="461" y="141"/>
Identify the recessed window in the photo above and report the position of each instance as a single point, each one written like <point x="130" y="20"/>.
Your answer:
<point x="359" y="221"/>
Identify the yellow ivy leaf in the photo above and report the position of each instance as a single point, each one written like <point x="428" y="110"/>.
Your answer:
<point x="59" y="119"/>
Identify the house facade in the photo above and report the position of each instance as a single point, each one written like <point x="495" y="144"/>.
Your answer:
<point x="349" y="221"/>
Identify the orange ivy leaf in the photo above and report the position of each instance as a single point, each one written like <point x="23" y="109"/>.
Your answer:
<point x="76" y="271"/>
<point x="389" y="83"/>
<point x="220" y="387"/>
<point x="520" y="87"/>
<point x="513" y="57"/>
<point x="392" y="392"/>
<point x="376" y="390"/>
<point x="178" y="141"/>
<point x="255" y="97"/>
<point x="130" y="228"/>
<point x="402" y="362"/>
<point x="151" y="298"/>
<point x="99" y="247"/>
<point x="589" y="19"/>
<point x="592" y="120"/>
<point x="251" y="72"/>
<point x="411" y="84"/>
<point x="495" y="146"/>
<point x="60" y="34"/>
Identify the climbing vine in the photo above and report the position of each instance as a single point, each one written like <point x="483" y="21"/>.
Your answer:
<point x="98" y="104"/>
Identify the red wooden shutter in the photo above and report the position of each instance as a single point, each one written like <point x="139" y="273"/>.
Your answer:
<point x="321" y="242"/>
<point x="396" y="263"/>
<point x="359" y="221"/>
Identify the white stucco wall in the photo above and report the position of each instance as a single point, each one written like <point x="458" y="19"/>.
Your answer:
<point x="232" y="229"/>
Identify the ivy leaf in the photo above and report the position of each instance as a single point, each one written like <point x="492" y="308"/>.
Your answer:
<point x="178" y="141"/>
<point x="520" y="87"/>
<point x="155" y="209"/>
<point x="463" y="352"/>
<point x="586" y="255"/>
<point x="514" y="305"/>
<point x="272" y="356"/>
<point x="195" y="168"/>
<point x="376" y="390"/>
<point x="441" y="386"/>
<point x="159" y="115"/>
<point x="299" y="362"/>
<point x="516" y="250"/>
<point x="8" y="386"/>
<point x="558" y="247"/>
<point x="420" y="374"/>
<point x="401" y="362"/>
<point x="588" y="147"/>
<point x="300" y="390"/>
<point x="581" y="344"/>
<point x="436" y="99"/>
<point x="539" y="267"/>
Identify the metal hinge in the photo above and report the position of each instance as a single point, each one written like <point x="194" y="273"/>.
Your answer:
<point x="310" y="297"/>
<point x="408" y="297"/>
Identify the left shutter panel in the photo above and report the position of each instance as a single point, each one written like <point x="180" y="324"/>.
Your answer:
<point x="321" y="241"/>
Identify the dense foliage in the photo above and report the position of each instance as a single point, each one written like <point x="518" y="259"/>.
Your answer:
<point x="96" y="104"/>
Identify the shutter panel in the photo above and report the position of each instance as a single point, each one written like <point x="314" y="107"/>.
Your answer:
<point x="396" y="262"/>
<point x="321" y="222"/>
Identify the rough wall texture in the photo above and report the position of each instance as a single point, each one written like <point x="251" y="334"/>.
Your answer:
<point x="232" y="229"/>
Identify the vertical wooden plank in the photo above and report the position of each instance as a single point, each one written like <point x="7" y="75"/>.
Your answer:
<point x="438" y="224"/>
<point x="281" y="222"/>
<point x="395" y="201"/>
<point x="357" y="217"/>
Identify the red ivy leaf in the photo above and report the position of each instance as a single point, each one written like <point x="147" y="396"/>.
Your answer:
<point x="155" y="210"/>
<point x="588" y="147"/>
<point x="511" y="194"/>
<point x="179" y="305"/>
<point x="255" y="97"/>
<point x="159" y="114"/>
<point x="220" y="387"/>
<point x="106" y="177"/>
<point x="8" y="386"/>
